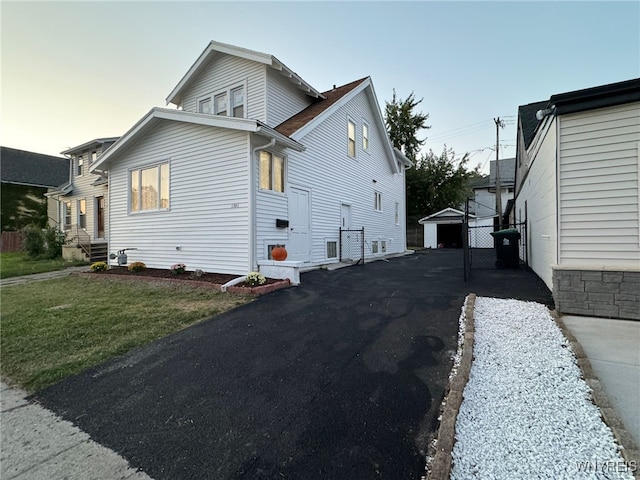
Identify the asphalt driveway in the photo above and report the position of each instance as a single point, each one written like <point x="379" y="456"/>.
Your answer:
<point x="340" y="378"/>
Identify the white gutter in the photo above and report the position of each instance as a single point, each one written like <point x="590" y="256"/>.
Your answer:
<point x="252" y="205"/>
<point x="233" y="282"/>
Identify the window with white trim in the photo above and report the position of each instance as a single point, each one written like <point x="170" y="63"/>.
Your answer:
<point x="365" y="136"/>
<point x="67" y="215"/>
<point x="94" y="156"/>
<point x="82" y="213"/>
<point x="237" y="102"/>
<point x="383" y="246"/>
<point x="271" y="172"/>
<point x="374" y="246"/>
<point x="351" y="134"/>
<point x="149" y="188"/>
<point x="205" y="105"/>
<point x="220" y="104"/>
<point x="377" y="205"/>
<point x="397" y="214"/>
<point x="79" y="165"/>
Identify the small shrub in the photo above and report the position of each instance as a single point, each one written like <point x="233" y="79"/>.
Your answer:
<point x="255" y="279"/>
<point x="98" y="267"/>
<point x="54" y="239"/>
<point x="33" y="243"/>
<point x="178" y="268"/>
<point x="137" y="267"/>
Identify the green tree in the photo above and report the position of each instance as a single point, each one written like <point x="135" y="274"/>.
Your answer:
<point x="436" y="182"/>
<point x="404" y="125"/>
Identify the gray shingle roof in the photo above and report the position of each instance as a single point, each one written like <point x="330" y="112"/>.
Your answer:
<point x="528" y="120"/>
<point x="507" y="172"/>
<point x="29" y="168"/>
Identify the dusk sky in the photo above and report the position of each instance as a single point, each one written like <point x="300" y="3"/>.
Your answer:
<point x="75" y="71"/>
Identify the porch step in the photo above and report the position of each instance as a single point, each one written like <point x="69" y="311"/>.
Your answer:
<point x="99" y="252"/>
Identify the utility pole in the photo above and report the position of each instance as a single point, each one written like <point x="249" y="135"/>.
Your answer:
<point x="499" y="124"/>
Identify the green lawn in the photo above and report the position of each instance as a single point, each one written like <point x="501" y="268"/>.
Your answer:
<point x="16" y="264"/>
<point x="52" y="329"/>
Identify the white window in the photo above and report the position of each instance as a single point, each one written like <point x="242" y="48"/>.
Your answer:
<point x="351" y="133"/>
<point x="79" y="164"/>
<point x="397" y="214"/>
<point x="271" y="172"/>
<point x="237" y="102"/>
<point x="67" y="215"/>
<point x="383" y="246"/>
<point x="205" y="105"/>
<point x="365" y="136"/>
<point x="149" y="188"/>
<point x="377" y="201"/>
<point x="220" y="104"/>
<point x="94" y="156"/>
<point x="82" y="213"/>
<point x="374" y="246"/>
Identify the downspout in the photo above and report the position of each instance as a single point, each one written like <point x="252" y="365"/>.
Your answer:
<point x="253" y="265"/>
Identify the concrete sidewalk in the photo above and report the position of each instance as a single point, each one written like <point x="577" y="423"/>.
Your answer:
<point x="37" y="444"/>
<point x="613" y="349"/>
<point x="36" y="277"/>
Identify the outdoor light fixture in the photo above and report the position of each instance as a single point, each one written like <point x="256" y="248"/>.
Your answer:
<point x="540" y="114"/>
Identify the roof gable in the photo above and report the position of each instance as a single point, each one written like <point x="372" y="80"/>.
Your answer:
<point x="217" y="48"/>
<point x="34" y="169"/>
<point x="446" y="214"/>
<point x="528" y="122"/>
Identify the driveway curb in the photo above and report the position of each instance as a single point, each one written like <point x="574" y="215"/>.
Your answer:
<point x="629" y="451"/>
<point x="440" y="466"/>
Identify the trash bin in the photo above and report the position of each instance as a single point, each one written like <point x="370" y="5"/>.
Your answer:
<point x="507" y="243"/>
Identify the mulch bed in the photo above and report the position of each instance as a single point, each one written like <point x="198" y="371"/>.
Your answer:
<point x="216" y="280"/>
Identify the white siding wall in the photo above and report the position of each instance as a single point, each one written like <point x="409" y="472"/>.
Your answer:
<point x="224" y="71"/>
<point x="208" y="215"/>
<point x="599" y="187"/>
<point x="334" y="178"/>
<point x="283" y="98"/>
<point x="539" y="192"/>
<point x="82" y="189"/>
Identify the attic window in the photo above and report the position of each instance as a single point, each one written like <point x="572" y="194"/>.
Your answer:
<point x="220" y="104"/>
<point x="204" y="105"/>
<point x="237" y="102"/>
<point x="79" y="163"/>
<point x="365" y="136"/>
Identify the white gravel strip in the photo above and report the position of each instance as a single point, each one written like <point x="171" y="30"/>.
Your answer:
<point x="527" y="413"/>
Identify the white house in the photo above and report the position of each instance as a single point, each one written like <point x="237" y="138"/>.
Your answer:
<point x="254" y="157"/>
<point x="577" y="185"/>
<point x="80" y="204"/>
<point x="444" y="229"/>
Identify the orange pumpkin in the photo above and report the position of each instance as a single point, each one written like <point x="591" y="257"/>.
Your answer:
<point x="279" y="253"/>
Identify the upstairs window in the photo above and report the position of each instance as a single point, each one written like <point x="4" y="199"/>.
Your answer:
<point x="237" y="102"/>
<point x="351" y="133"/>
<point x="205" y="105"/>
<point x="149" y="188"/>
<point x="79" y="165"/>
<point x="220" y="104"/>
<point x="271" y="172"/>
<point x="94" y="156"/>
<point x="365" y="136"/>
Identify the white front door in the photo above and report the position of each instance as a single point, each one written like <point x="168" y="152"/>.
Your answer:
<point x="299" y="225"/>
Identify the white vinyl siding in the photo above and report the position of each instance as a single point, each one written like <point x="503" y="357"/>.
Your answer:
<point x="207" y="225"/>
<point x="322" y="168"/>
<point x="223" y="73"/>
<point x="539" y="192"/>
<point x="598" y="187"/>
<point x="284" y="99"/>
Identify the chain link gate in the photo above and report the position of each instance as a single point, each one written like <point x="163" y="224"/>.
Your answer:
<point x="480" y="247"/>
<point x="352" y="246"/>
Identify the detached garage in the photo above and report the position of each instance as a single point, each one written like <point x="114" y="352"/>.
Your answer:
<point x="444" y="228"/>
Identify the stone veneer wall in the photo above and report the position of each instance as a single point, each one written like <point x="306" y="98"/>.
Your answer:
<point x="599" y="293"/>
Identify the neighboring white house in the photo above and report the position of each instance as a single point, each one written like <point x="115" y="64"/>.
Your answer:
<point x="578" y="187"/>
<point x="483" y="202"/>
<point x="80" y="204"/>
<point x="255" y="157"/>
